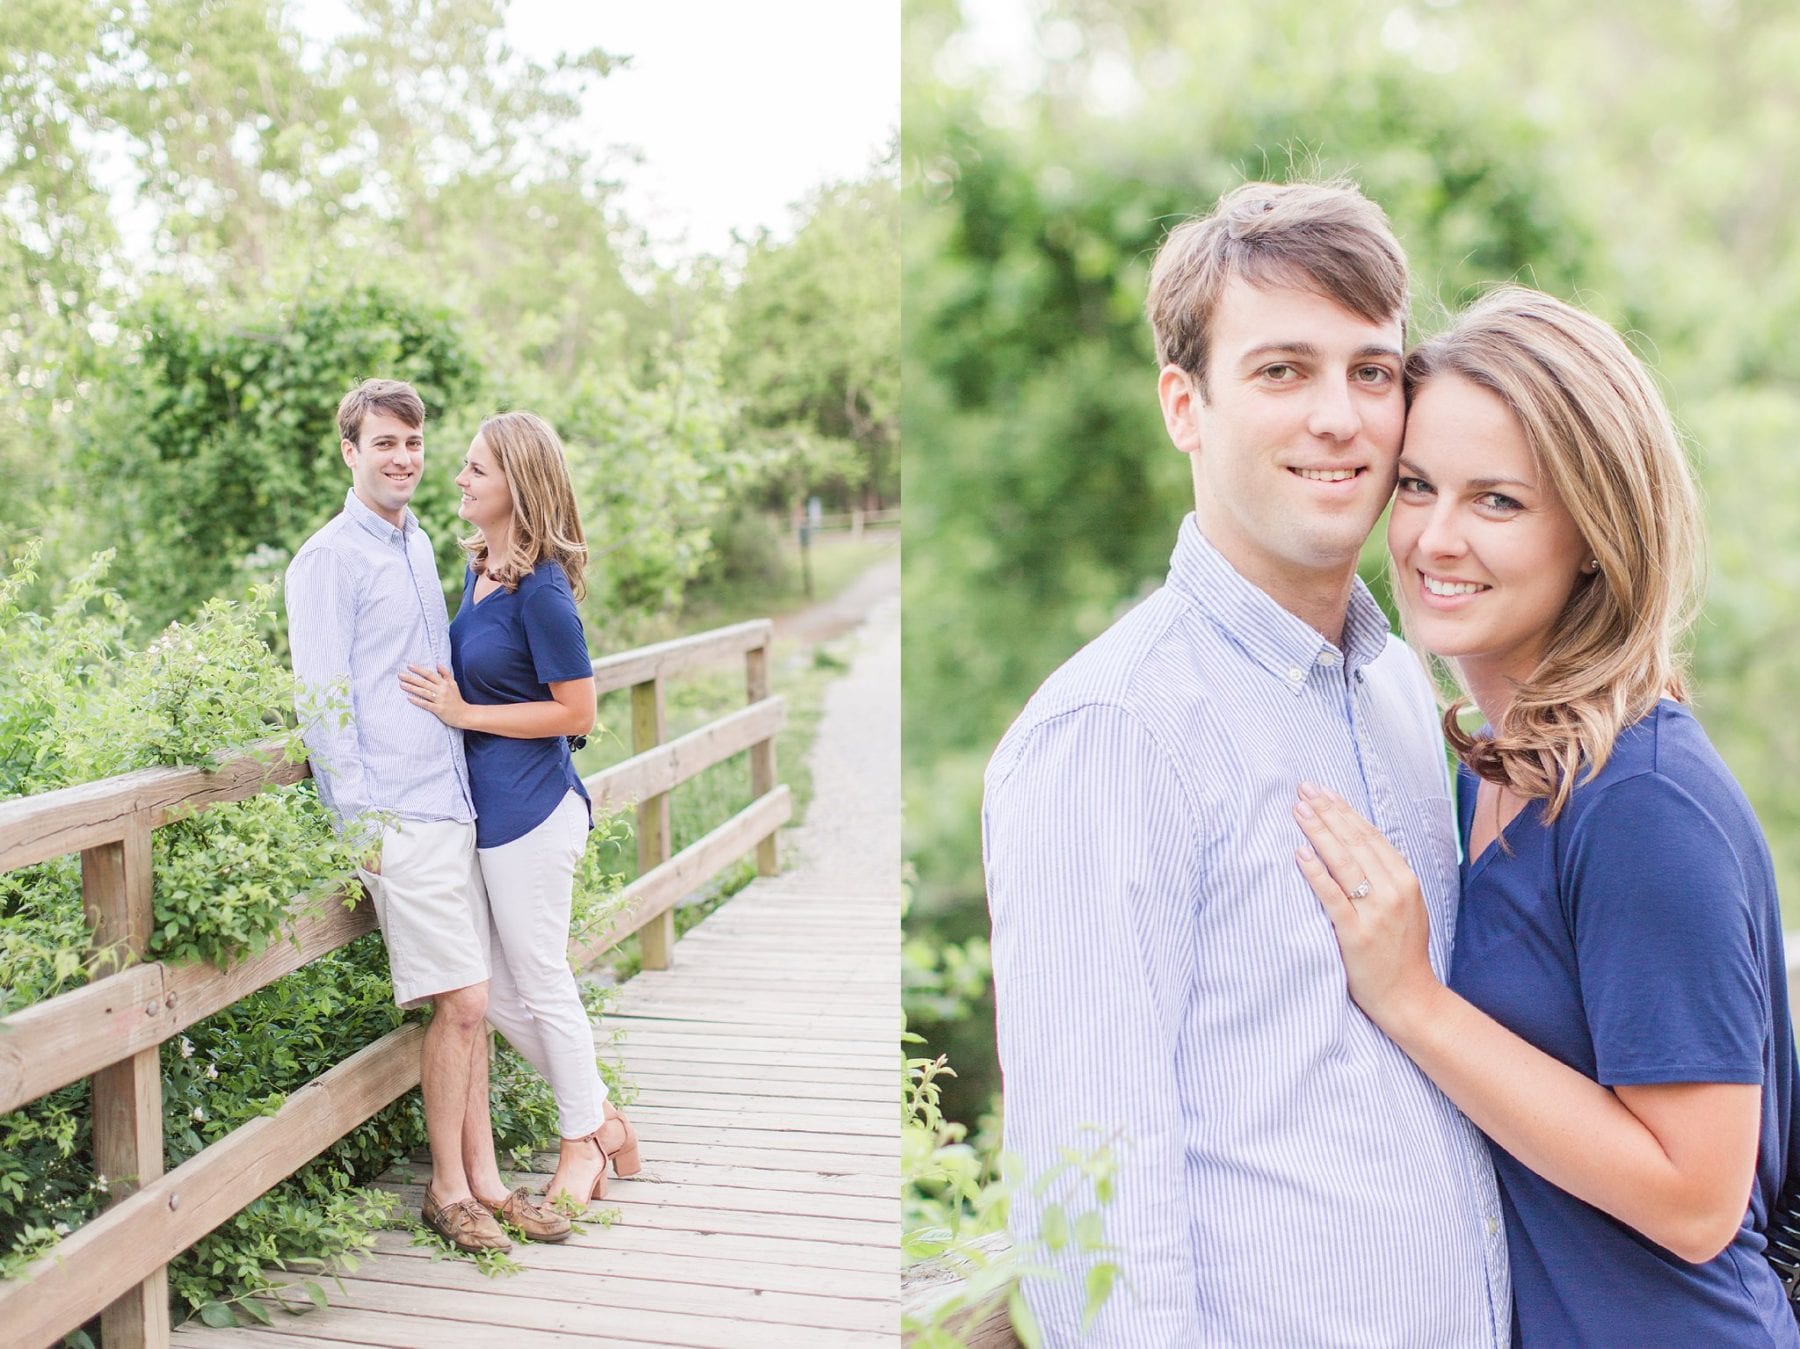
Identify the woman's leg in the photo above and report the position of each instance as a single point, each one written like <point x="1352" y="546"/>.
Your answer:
<point x="534" y="1000"/>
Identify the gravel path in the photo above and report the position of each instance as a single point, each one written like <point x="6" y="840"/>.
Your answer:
<point x="850" y="841"/>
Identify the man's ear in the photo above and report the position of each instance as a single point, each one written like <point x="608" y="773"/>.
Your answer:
<point x="348" y="449"/>
<point x="1180" y="397"/>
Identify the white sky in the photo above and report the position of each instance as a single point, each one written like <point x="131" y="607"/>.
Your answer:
<point x="739" y="108"/>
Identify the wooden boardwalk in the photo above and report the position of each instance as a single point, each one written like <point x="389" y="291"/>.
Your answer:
<point x="768" y="1210"/>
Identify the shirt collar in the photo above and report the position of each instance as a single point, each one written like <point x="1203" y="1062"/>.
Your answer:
<point x="373" y="523"/>
<point x="1284" y="645"/>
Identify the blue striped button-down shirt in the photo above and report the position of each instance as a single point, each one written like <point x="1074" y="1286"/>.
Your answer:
<point x="1162" y="971"/>
<point x="363" y="602"/>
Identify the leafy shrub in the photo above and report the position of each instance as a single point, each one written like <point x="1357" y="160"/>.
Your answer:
<point x="78" y="703"/>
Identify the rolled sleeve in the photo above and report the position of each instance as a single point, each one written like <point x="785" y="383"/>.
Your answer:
<point x="1092" y="862"/>
<point x="321" y="613"/>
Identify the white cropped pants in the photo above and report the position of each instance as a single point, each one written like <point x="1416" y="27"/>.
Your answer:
<point x="532" y="997"/>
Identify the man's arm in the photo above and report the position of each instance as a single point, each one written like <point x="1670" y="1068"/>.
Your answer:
<point x="321" y="623"/>
<point x="1092" y="864"/>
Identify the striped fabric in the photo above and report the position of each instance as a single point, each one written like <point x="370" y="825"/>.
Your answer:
<point x="1163" y="973"/>
<point x="363" y="602"/>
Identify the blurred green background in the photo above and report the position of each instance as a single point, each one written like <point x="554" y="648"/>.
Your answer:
<point x="1638" y="159"/>
<point x="218" y="215"/>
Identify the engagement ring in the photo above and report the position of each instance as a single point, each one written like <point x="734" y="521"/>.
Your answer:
<point x="1361" y="891"/>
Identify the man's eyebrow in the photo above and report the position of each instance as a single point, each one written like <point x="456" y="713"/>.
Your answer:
<point x="1311" y="352"/>
<point x="1305" y="349"/>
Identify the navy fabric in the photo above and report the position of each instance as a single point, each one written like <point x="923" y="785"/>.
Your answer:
<point x="509" y="649"/>
<point x="1638" y="940"/>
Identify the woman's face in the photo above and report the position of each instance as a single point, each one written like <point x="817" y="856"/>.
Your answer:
<point x="1485" y="553"/>
<point x="486" y="498"/>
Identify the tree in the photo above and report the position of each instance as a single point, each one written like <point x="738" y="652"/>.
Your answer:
<point x="814" y="350"/>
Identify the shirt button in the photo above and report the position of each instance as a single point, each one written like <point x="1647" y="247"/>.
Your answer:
<point x="1493" y="1227"/>
<point x="1326" y="659"/>
<point x="1296" y="675"/>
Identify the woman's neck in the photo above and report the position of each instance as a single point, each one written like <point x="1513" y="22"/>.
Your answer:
<point x="498" y="542"/>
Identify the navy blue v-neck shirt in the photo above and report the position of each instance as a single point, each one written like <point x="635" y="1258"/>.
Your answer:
<point x="1638" y="940"/>
<point x="510" y="648"/>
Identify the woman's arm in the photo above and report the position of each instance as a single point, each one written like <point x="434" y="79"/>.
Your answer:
<point x="570" y="710"/>
<point x="1674" y="1161"/>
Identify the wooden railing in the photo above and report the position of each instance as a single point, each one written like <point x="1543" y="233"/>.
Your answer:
<point x="110" y="1029"/>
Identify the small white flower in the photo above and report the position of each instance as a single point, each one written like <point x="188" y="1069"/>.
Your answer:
<point x="212" y="1071"/>
<point x="62" y="1229"/>
<point x="187" y="1048"/>
<point x="199" y="1115"/>
<point x="100" y="1182"/>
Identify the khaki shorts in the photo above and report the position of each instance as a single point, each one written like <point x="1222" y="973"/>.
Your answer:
<point x="432" y="908"/>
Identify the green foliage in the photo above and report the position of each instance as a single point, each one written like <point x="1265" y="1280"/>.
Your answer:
<point x="815" y="345"/>
<point x="954" y="1214"/>
<point x="214" y="435"/>
<point x="78" y="703"/>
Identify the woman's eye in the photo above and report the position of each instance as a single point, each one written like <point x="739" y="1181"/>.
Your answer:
<point x="1498" y="501"/>
<point x="1413" y="486"/>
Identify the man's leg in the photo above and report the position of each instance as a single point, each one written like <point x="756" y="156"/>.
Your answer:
<point x="458" y="1026"/>
<point x="479" y="1164"/>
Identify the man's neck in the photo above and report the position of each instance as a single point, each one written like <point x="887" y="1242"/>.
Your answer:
<point x="395" y="517"/>
<point x="1319" y="599"/>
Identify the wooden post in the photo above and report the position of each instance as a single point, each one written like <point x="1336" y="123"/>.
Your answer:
<point x="762" y="753"/>
<point x="657" y="937"/>
<point x="128" y="1140"/>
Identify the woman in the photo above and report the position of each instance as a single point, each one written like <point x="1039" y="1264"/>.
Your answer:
<point x="522" y="684"/>
<point x="1616" y="1018"/>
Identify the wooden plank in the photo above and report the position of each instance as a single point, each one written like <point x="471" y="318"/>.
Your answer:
<point x="656" y="934"/>
<point x="745" y="1172"/>
<point x="677" y="1069"/>
<point x="658" y="770"/>
<point x="638" y="666"/>
<point x="500" y="1319"/>
<point x="73" y="819"/>
<point x="707" y="1129"/>
<point x="636" y="1292"/>
<point x="705" y="1059"/>
<point x="742" y="1189"/>
<point x="76" y="1034"/>
<point x="170" y="1214"/>
<point x="762" y="756"/>
<point x="873" y="1170"/>
<point x="695" y="1269"/>
<point x="710" y="1243"/>
<point x="683" y="873"/>
<point x="126" y="1106"/>
<point x="678" y="1088"/>
<point x="852" y="1218"/>
<point x="837" y="1233"/>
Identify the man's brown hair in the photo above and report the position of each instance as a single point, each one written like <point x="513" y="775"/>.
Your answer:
<point x="393" y="396"/>
<point x="1324" y="237"/>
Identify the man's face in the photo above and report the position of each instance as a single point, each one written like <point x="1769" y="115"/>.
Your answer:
<point x="1294" y="446"/>
<point x="385" y="463"/>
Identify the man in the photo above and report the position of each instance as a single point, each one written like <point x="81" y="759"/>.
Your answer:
<point x="363" y="602"/>
<point x="1161" y="969"/>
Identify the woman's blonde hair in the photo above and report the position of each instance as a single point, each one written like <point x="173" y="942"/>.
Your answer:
<point x="545" y="522"/>
<point x="1602" y="435"/>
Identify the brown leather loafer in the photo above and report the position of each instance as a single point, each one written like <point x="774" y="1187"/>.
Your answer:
<point x="539" y="1222"/>
<point x="465" y="1224"/>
